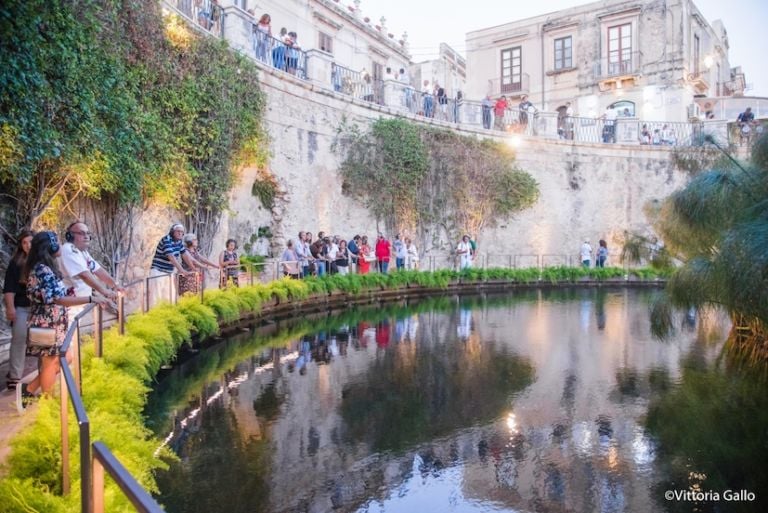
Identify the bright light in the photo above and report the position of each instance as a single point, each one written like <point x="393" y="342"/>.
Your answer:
<point x="708" y="61"/>
<point x="512" y="423"/>
<point x="515" y="141"/>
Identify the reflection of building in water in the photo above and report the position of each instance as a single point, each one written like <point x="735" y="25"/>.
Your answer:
<point x="430" y="414"/>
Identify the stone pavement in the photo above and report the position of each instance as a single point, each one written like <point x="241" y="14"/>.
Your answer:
<point x="11" y="422"/>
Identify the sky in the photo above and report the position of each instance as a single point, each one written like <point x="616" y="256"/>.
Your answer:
<point x="430" y="22"/>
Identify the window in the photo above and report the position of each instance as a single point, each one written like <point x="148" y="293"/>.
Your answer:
<point x="511" y="69"/>
<point x="624" y="108"/>
<point x="717" y="78"/>
<point x="620" y="49"/>
<point x="696" y="54"/>
<point x="564" y="53"/>
<point x="377" y="71"/>
<point x="325" y="42"/>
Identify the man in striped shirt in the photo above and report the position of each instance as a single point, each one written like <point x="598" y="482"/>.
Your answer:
<point x="167" y="262"/>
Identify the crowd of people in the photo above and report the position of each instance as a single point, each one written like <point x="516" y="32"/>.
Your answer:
<point x="47" y="286"/>
<point x="282" y="51"/>
<point x="307" y="256"/>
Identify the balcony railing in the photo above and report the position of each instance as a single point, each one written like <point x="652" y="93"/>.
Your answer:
<point x="207" y="14"/>
<point x="497" y="86"/>
<point x="406" y="98"/>
<point x="357" y="84"/>
<point x="619" y="64"/>
<point x="279" y="54"/>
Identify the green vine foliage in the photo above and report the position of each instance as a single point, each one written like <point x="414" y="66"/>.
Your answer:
<point x="97" y="99"/>
<point x="419" y="179"/>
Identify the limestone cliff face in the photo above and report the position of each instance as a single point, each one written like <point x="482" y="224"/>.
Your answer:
<point x="588" y="191"/>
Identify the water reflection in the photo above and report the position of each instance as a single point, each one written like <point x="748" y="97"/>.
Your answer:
<point x="535" y="402"/>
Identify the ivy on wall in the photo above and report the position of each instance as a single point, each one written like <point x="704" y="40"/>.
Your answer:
<point x="103" y="99"/>
<point x="433" y="182"/>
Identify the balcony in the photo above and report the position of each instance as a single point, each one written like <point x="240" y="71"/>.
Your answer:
<point x="699" y="82"/>
<point x="615" y="71"/>
<point x="507" y="87"/>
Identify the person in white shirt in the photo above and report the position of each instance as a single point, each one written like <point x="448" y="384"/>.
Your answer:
<point x="609" y="130"/>
<point x="464" y="251"/>
<point x="586" y="254"/>
<point x="81" y="271"/>
<point x="413" y="255"/>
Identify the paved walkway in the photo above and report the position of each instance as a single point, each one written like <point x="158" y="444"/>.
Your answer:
<point x="11" y="422"/>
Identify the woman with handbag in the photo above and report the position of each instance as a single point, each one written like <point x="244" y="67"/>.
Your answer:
<point x="48" y="319"/>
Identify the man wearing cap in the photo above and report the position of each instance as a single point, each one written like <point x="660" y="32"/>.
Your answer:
<point x="169" y="254"/>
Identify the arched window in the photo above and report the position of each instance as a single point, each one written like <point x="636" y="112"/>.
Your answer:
<point x="625" y="108"/>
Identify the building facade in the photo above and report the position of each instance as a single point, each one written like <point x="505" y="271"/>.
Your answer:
<point x="449" y="70"/>
<point x="658" y="59"/>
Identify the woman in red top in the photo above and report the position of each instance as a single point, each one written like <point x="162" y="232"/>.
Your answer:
<point x="363" y="265"/>
<point x="383" y="251"/>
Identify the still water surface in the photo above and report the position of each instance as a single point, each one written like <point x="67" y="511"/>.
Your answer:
<point x="538" y="401"/>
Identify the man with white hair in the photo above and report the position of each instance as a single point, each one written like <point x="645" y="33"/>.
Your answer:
<point x="169" y="254"/>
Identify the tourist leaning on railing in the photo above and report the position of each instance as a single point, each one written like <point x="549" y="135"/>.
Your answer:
<point x="169" y="254"/>
<point x="48" y="318"/>
<point x="342" y="258"/>
<point x="192" y="282"/>
<point x="262" y="35"/>
<point x="290" y="262"/>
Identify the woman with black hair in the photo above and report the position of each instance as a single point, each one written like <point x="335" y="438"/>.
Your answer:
<point x="49" y="300"/>
<point x="17" y="308"/>
<point x="229" y="263"/>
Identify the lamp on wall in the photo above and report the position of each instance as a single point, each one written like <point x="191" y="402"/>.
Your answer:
<point x="709" y="61"/>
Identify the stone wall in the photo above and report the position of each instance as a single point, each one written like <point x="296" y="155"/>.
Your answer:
<point x="588" y="191"/>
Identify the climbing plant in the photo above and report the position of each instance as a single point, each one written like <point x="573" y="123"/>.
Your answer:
<point x="436" y="183"/>
<point x="112" y="99"/>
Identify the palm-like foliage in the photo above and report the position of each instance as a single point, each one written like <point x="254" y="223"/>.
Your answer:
<point x="718" y="226"/>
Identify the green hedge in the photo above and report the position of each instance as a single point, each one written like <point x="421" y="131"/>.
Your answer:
<point x="115" y="387"/>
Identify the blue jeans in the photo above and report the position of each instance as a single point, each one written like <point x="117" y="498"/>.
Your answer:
<point x="400" y="263"/>
<point x="320" y="265"/>
<point x="429" y="106"/>
<point x="383" y="266"/>
<point x="304" y="271"/>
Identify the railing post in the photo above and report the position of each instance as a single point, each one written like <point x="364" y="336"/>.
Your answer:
<point x="145" y="303"/>
<point x="75" y="347"/>
<point x="172" y="279"/>
<point x="97" y="485"/>
<point x="511" y="264"/>
<point x="251" y="271"/>
<point x="121" y="314"/>
<point x="86" y="499"/>
<point x="64" y="413"/>
<point x="202" y="284"/>
<point x="98" y="330"/>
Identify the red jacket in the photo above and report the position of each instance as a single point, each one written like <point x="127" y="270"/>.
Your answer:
<point x="383" y="250"/>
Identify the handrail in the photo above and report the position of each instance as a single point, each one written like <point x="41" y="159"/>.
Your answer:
<point x="104" y="459"/>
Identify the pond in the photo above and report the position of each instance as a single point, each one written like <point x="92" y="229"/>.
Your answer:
<point x="544" y="400"/>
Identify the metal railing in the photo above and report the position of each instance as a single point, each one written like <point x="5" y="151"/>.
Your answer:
<point x="516" y="86"/>
<point x="357" y="84"/>
<point x="619" y="63"/>
<point x="91" y="468"/>
<point x="207" y="14"/>
<point x="405" y="97"/>
<point x="280" y="54"/>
